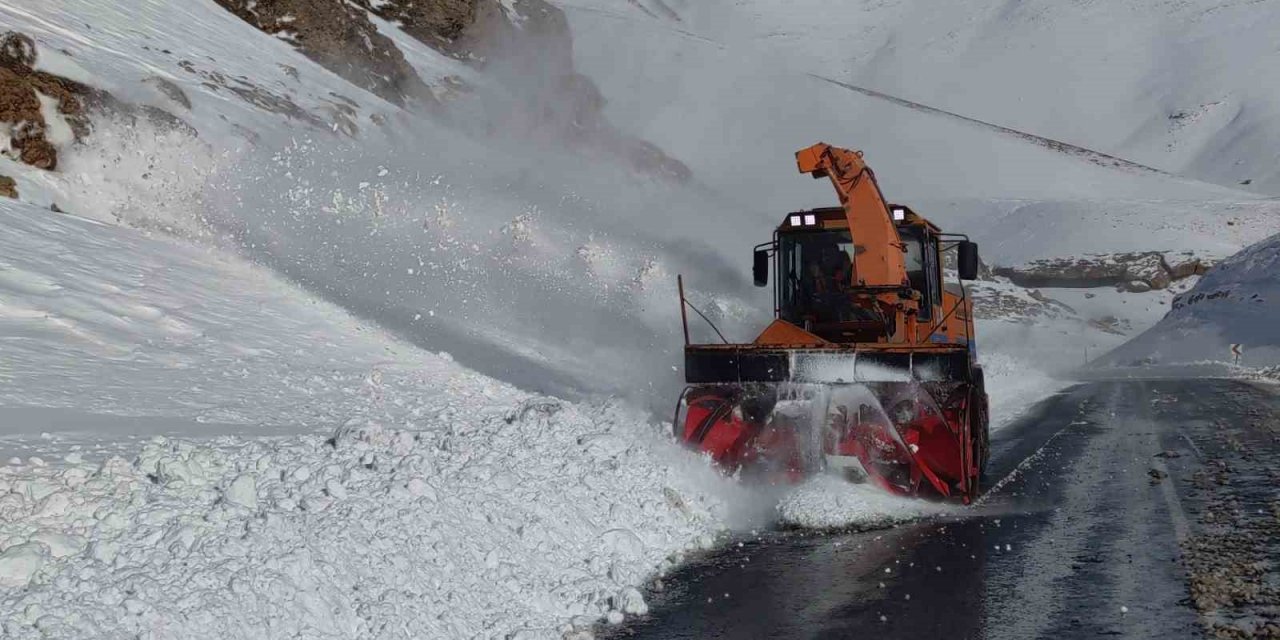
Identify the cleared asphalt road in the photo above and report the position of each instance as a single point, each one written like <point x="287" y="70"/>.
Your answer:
<point x="1133" y="509"/>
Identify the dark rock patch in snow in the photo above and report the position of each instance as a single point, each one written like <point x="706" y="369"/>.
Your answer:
<point x="171" y="91"/>
<point x="1134" y="271"/>
<point x="438" y="23"/>
<point x="41" y="112"/>
<point x="340" y="38"/>
<point x="23" y="112"/>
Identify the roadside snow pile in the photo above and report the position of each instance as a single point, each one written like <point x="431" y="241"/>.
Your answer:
<point x="830" y="502"/>
<point x="374" y="490"/>
<point x="1235" y="303"/>
<point x="509" y="510"/>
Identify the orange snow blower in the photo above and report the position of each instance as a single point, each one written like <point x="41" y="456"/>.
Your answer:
<point x="869" y="366"/>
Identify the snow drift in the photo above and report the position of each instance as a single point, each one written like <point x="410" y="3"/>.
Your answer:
<point x="371" y="490"/>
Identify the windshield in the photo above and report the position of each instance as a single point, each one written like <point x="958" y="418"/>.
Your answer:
<point x="816" y="270"/>
<point x="816" y="273"/>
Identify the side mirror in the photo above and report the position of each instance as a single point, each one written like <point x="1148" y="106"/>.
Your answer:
<point x="967" y="261"/>
<point x="760" y="268"/>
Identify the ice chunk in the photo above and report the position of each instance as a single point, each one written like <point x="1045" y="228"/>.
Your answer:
<point x="243" y="491"/>
<point x="630" y="601"/>
<point x="20" y="562"/>
<point x="60" y="544"/>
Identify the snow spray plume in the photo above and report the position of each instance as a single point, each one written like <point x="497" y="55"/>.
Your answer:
<point x="524" y="261"/>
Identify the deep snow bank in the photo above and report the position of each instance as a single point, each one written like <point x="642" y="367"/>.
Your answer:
<point x="1236" y="302"/>
<point x="504" y="513"/>
<point x="421" y="499"/>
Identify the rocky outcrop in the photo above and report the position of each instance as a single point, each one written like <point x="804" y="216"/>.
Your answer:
<point x="528" y="47"/>
<point x="170" y="90"/>
<point x="341" y="38"/>
<point x="438" y="23"/>
<point x="997" y="300"/>
<point x="41" y="112"/>
<point x="27" y="96"/>
<point x="525" y="46"/>
<point x="8" y="188"/>
<point x="1135" y="271"/>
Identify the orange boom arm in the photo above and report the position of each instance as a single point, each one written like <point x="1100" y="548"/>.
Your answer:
<point x="878" y="250"/>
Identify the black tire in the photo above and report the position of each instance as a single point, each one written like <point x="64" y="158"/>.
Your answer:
<point x="979" y="421"/>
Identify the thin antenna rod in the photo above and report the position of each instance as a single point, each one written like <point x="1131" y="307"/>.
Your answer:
<point x="684" y="318"/>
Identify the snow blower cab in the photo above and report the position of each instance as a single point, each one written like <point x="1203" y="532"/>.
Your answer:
<point x="868" y="367"/>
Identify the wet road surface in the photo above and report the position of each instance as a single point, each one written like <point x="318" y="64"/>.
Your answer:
<point x="1113" y="511"/>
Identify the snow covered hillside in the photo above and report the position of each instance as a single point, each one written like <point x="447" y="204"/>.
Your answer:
<point x="366" y="307"/>
<point x="550" y="263"/>
<point x="1235" y="303"/>
<point x="208" y="452"/>
<point x="1185" y="86"/>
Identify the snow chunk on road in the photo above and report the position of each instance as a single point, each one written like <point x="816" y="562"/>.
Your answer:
<point x="243" y="491"/>
<point x="829" y="502"/>
<point x="20" y="562"/>
<point x="454" y="527"/>
<point x="631" y="602"/>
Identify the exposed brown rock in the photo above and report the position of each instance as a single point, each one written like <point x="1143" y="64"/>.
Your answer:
<point x="8" y="188"/>
<point x="17" y="50"/>
<point x="1134" y="271"/>
<point x="20" y="89"/>
<point x="20" y="102"/>
<point x="436" y="22"/>
<point x="340" y="38"/>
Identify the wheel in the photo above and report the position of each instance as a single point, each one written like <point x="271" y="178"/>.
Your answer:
<point x="979" y="421"/>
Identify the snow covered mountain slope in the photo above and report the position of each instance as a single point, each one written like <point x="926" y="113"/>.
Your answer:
<point x="317" y="476"/>
<point x="491" y="227"/>
<point x="1186" y="86"/>
<point x="544" y="265"/>
<point x="356" y="486"/>
<point x="1235" y="303"/>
